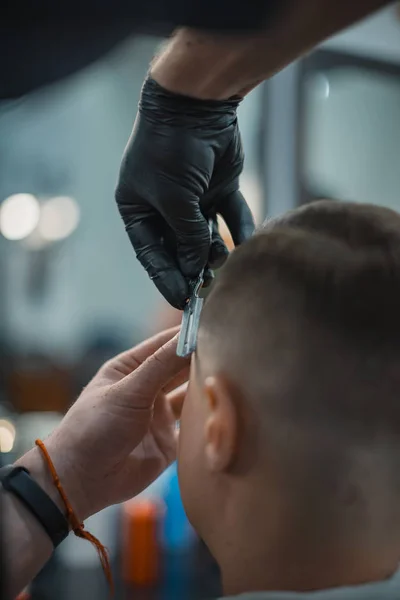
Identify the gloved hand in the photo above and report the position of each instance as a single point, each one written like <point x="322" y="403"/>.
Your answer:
<point x="181" y="166"/>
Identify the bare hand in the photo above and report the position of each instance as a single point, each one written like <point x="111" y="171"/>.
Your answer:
<point x="120" y="434"/>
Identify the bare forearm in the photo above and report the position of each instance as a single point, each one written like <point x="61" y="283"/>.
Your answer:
<point x="27" y="545"/>
<point x="217" y="67"/>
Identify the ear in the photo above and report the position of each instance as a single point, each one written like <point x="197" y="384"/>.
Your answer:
<point x="221" y="426"/>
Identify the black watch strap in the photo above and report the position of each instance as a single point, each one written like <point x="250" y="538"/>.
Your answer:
<point x="18" y="481"/>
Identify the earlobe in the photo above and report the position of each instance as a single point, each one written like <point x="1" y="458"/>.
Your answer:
<point x="221" y="427"/>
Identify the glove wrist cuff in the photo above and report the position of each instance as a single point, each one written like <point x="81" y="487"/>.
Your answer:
<point x="157" y="99"/>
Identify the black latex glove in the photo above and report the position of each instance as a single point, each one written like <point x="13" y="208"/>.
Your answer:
<point x="180" y="167"/>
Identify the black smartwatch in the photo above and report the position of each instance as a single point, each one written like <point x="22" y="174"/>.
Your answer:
<point x="18" y="481"/>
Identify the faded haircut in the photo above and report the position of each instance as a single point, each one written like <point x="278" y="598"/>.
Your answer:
<point x="305" y="318"/>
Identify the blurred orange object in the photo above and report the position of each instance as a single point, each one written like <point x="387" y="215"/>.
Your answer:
<point x="41" y="389"/>
<point x="140" y="561"/>
<point x="23" y="596"/>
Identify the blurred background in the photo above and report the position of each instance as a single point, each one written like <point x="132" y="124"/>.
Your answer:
<point x="72" y="293"/>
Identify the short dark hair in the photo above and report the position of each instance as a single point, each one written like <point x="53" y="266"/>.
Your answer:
<point x="307" y="313"/>
<point x="304" y="322"/>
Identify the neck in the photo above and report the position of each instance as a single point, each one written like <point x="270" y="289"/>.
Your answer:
<point x="298" y="576"/>
<point x="265" y="558"/>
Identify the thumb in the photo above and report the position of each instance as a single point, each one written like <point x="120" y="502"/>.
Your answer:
<point x="237" y="215"/>
<point x="143" y="384"/>
<point x="218" y="251"/>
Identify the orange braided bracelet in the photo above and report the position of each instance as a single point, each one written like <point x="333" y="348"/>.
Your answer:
<point x="77" y="527"/>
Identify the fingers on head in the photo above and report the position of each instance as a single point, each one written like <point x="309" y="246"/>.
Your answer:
<point x="176" y="400"/>
<point x="154" y="374"/>
<point x="180" y="379"/>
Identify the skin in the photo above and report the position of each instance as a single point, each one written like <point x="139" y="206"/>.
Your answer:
<point x="261" y="526"/>
<point x="130" y="404"/>
<point x="217" y="67"/>
<point x="224" y="457"/>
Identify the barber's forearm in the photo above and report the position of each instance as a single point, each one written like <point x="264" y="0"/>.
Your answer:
<point x="213" y="66"/>
<point x="27" y="545"/>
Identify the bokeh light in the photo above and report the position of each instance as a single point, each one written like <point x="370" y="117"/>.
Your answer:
<point x="19" y="216"/>
<point x="59" y="218"/>
<point x="7" y="435"/>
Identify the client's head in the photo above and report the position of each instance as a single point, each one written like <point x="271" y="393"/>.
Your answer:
<point x="289" y="456"/>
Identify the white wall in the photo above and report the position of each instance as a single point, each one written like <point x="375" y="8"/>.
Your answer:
<point x="78" y="129"/>
<point x="376" y="37"/>
<point x="353" y="117"/>
<point x="353" y="137"/>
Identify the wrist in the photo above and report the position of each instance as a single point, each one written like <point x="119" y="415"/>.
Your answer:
<point x="39" y="471"/>
<point x="203" y="66"/>
<point x="37" y="466"/>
